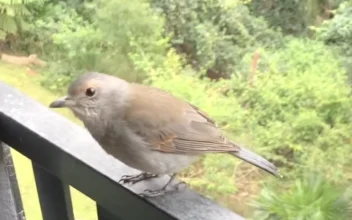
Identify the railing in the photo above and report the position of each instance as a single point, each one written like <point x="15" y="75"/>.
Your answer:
<point x="64" y="154"/>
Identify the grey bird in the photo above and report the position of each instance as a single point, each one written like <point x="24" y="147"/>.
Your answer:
<point x="147" y="128"/>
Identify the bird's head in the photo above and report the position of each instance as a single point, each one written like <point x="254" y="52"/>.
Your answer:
<point x="91" y="93"/>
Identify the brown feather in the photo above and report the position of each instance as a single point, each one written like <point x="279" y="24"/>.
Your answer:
<point x="178" y="127"/>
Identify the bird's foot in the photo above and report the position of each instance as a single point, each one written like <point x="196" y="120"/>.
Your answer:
<point x="153" y="193"/>
<point x="132" y="179"/>
<point x="159" y="192"/>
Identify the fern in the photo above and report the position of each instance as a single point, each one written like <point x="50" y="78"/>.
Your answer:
<point x="308" y="198"/>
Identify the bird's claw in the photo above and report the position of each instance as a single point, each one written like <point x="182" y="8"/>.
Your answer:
<point x="159" y="192"/>
<point x="132" y="179"/>
<point x="180" y="183"/>
<point x="153" y="193"/>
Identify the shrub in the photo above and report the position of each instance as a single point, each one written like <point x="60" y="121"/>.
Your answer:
<point x="293" y="17"/>
<point x="298" y="110"/>
<point x="309" y="198"/>
<point x="11" y="15"/>
<point x="68" y="42"/>
<point x="75" y="45"/>
<point x="337" y="33"/>
<point x="214" y="35"/>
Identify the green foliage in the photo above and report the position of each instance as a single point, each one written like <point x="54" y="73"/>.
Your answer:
<point x="309" y="198"/>
<point x="293" y="17"/>
<point x="65" y="38"/>
<point x="214" y="35"/>
<point x="337" y="33"/>
<point x="11" y="12"/>
<point x="131" y="28"/>
<point x="103" y="44"/>
<point x="298" y="110"/>
<point x="338" y="29"/>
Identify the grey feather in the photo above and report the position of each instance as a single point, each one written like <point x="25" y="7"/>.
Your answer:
<point x="256" y="160"/>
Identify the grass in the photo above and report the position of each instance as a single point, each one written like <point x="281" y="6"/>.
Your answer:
<point x="84" y="207"/>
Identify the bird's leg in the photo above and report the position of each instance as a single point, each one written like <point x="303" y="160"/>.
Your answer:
<point x="163" y="190"/>
<point x="136" y="178"/>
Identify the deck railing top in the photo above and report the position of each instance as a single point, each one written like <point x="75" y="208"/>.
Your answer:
<point x="68" y="152"/>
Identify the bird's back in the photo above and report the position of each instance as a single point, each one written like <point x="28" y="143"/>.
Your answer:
<point x="153" y="107"/>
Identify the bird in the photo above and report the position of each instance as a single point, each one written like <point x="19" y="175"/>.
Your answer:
<point x="147" y="128"/>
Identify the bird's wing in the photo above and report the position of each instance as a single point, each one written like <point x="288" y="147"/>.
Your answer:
<point x="171" y="125"/>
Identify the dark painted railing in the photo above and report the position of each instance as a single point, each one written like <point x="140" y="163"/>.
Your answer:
<point x="64" y="154"/>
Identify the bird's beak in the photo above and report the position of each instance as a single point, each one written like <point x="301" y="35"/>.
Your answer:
<point x="62" y="102"/>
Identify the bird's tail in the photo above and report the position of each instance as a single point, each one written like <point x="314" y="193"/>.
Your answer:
<point x="256" y="160"/>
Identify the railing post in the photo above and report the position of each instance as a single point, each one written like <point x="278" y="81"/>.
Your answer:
<point x="11" y="207"/>
<point x="54" y="195"/>
<point x="104" y="214"/>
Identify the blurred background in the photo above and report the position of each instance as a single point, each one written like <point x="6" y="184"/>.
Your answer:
<point x="274" y="74"/>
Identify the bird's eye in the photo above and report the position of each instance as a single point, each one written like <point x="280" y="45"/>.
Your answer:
<point x="90" y="92"/>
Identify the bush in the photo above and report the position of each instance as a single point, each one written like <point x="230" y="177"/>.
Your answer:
<point x="293" y="17"/>
<point x="337" y="33"/>
<point x="214" y="35"/>
<point x="68" y="42"/>
<point x="11" y="15"/>
<point x="75" y="45"/>
<point x="132" y="28"/>
<point x="309" y="198"/>
<point x="298" y="110"/>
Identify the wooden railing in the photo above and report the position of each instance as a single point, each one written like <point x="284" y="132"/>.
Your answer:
<point x="64" y="154"/>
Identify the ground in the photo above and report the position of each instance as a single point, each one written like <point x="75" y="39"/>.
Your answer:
<point x="18" y="77"/>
